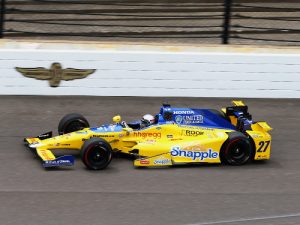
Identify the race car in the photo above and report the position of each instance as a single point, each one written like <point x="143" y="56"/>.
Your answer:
<point x="176" y="136"/>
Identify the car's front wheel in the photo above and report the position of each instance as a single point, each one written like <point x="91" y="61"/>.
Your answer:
<point x="96" y="154"/>
<point x="72" y="122"/>
<point x="237" y="150"/>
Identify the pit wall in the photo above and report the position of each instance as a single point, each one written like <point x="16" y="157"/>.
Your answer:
<point x="152" y="70"/>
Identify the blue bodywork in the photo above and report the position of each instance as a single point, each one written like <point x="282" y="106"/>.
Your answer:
<point x="107" y="128"/>
<point x="181" y="116"/>
<point x="66" y="160"/>
<point x="194" y="117"/>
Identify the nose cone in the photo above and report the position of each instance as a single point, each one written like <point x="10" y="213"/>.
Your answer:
<point x="35" y="145"/>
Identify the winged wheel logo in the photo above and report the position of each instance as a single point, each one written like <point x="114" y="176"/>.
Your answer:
<point x="55" y="74"/>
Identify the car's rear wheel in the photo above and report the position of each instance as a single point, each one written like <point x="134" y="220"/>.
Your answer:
<point x="237" y="150"/>
<point x="72" y="122"/>
<point x="96" y="154"/>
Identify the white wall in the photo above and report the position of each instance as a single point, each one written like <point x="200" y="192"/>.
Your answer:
<point x="152" y="72"/>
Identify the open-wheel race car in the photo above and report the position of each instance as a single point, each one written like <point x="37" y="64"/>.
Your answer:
<point x="176" y="136"/>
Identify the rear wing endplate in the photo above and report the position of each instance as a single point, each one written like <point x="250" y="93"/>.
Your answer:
<point x="261" y="126"/>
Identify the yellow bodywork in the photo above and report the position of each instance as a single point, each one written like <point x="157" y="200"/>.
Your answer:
<point x="163" y="144"/>
<point x="261" y="139"/>
<point x="158" y="145"/>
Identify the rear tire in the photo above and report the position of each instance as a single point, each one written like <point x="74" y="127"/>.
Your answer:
<point x="237" y="150"/>
<point x="72" y="122"/>
<point x="96" y="154"/>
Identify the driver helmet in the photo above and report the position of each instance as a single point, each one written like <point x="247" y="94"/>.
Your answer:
<point x="148" y="119"/>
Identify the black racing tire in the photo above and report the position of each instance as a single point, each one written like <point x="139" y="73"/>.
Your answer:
<point x="72" y="122"/>
<point x="96" y="154"/>
<point x="221" y="114"/>
<point x="237" y="150"/>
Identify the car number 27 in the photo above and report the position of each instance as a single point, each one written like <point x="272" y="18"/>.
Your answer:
<point x="263" y="146"/>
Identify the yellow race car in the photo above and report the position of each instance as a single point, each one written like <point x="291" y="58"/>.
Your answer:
<point x="176" y="136"/>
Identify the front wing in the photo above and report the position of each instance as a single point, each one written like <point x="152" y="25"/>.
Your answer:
<point x="47" y="157"/>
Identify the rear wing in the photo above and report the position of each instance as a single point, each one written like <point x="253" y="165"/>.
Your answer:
<point x="238" y="103"/>
<point x="237" y="112"/>
<point x="242" y="119"/>
<point x="262" y="126"/>
<point x="238" y="109"/>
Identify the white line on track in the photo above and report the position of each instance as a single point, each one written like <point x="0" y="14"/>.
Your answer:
<point x="248" y="219"/>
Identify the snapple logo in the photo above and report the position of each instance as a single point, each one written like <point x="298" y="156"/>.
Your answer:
<point x="194" y="155"/>
<point x="162" y="161"/>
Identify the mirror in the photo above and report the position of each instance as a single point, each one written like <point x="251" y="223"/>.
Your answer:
<point x="127" y="129"/>
<point x="117" y="119"/>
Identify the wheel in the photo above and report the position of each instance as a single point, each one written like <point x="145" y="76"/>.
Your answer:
<point x="96" y="154"/>
<point x="72" y="122"/>
<point x="237" y="150"/>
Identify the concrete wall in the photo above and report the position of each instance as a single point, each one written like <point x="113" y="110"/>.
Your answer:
<point x="124" y="70"/>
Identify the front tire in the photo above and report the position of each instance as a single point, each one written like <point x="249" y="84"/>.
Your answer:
<point x="72" y="122"/>
<point x="237" y="150"/>
<point x="96" y="154"/>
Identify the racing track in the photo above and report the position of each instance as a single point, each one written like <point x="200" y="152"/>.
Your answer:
<point x="256" y="194"/>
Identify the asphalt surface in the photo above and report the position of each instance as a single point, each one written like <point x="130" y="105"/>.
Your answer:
<point x="257" y="194"/>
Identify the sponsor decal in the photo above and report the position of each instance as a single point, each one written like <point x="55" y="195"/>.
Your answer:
<point x="169" y="136"/>
<point x="185" y="112"/>
<point x="193" y="133"/>
<point x="176" y="139"/>
<point x="262" y="157"/>
<point x="105" y="136"/>
<point x="81" y="132"/>
<point x="100" y="129"/>
<point x="55" y="74"/>
<point x="65" y="144"/>
<point x="195" y="128"/>
<point x="162" y="161"/>
<point x="57" y="162"/>
<point x="107" y="128"/>
<point x="179" y="119"/>
<point x="194" y="155"/>
<point x="60" y="161"/>
<point x="256" y="136"/>
<point x="100" y="136"/>
<point x="44" y="155"/>
<point x="144" y="161"/>
<point x="154" y="135"/>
